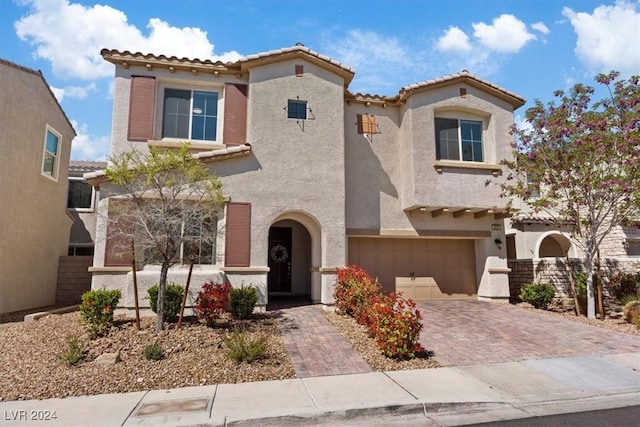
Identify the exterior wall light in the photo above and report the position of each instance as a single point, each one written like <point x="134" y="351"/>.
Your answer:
<point x="498" y="243"/>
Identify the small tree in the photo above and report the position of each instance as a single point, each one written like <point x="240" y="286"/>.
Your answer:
<point x="170" y="204"/>
<point x="580" y="163"/>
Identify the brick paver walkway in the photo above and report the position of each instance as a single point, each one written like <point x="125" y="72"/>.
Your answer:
<point x="316" y="348"/>
<point x="475" y="332"/>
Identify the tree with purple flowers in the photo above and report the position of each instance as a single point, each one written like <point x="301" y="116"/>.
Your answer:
<point x="579" y="163"/>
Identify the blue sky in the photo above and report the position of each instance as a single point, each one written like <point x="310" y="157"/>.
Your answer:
<point x="530" y="47"/>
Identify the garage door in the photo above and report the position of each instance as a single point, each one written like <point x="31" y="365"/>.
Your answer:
<point x="443" y="269"/>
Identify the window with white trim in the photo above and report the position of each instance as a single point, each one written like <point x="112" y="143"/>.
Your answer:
<point x="51" y="153"/>
<point x="190" y="115"/>
<point x="458" y="139"/>
<point x="81" y="195"/>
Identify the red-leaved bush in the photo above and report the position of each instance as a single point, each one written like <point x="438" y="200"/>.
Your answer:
<point x="353" y="290"/>
<point x="394" y="322"/>
<point x="212" y="301"/>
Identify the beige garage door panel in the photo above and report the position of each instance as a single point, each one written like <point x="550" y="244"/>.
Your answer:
<point x="443" y="269"/>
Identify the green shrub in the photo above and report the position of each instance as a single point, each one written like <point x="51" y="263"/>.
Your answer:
<point x="581" y="285"/>
<point x="242" y="301"/>
<point x="173" y="295"/>
<point x="97" y="308"/>
<point x="353" y="291"/>
<point x="74" y="352"/>
<point x="153" y="352"/>
<point x="241" y="347"/>
<point x="395" y="324"/>
<point x="638" y="323"/>
<point x="538" y="295"/>
<point x="624" y="284"/>
<point x="212" y="301"/>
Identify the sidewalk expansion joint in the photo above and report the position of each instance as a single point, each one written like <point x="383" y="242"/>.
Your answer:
<point x="400" y="385"/>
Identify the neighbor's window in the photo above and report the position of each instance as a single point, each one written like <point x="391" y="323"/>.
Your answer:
<point x="80" y="195"/>
<point x="190" y="114"/>
<point x="297" y="109"/>
<point x="51" y="152"/>
<point x="458" y="139"/>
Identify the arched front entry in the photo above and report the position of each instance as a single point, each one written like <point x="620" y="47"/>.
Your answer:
<point x="554" y="244"/>
<point x="289" y="259"/>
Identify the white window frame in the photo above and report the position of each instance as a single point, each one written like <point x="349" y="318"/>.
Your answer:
<point x="56" y="156"/>
<point x="93" y="196"/>
<point x="460" y="118"/>
<point x="191" y="89"/>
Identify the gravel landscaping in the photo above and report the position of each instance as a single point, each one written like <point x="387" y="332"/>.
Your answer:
<point x="193" y="355"/>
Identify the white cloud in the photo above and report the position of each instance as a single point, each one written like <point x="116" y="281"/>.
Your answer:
<point x="522" y="124"/>
<point x="71" y="35"/>
<point x="378" y="59"/>
<point x="608" y="37"/>
<point x="507" y="34"/>
<point x="79" y="92"/>
<point x="454" y="40"/>
<point x="539" y="26"/>
<point x="86" y="146"/>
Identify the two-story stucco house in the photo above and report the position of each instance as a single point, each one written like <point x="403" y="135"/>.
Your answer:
<point x="319" y="177"/>
<point x="35" y="145"/>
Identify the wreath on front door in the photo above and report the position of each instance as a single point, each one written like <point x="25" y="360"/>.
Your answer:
<point x="279" y="254"/>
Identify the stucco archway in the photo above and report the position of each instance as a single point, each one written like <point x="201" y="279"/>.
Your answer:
<point x="554" y="244"/>
<point x="294" y="248"/>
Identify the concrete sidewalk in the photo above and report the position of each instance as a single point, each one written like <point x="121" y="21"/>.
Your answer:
<point x="443" y="396"/>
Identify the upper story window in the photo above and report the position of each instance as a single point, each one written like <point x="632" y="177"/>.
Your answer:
<point x="81" y="195"/>
<point x="51" y="153"/>
<point x="297" y="109"/>
<point x="458" y="139"/>
<point x="190" y="115"/>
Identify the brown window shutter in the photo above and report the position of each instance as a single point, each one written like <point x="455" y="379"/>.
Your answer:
<point x="235" y="114"/>
<point x="117" y="247"/>
<point x="367" y="124"/>
<point x="237" y="251"/>
<point x="299" y="71"/>
<point x="142" y="100"/>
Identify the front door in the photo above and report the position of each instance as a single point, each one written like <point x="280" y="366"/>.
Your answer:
<point x="279" y="259"/>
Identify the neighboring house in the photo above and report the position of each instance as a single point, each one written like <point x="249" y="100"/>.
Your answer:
<point x="319" y="177"/>
<point x="537" y="249"/>
<point x="81" y="206"/>
<point x="35" y="146"/>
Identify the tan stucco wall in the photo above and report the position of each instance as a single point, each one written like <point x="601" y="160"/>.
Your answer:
<point x="34" y="224"/>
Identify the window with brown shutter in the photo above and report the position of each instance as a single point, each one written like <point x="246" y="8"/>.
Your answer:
<point x="117" y="247"/>
<point x="235" y="114"/>
<point x="142" y="100"/>
<point x="367" y="124"/>
<point x="238" y="235"/>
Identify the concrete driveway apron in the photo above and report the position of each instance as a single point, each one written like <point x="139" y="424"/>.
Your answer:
<point x="475" y="332"/>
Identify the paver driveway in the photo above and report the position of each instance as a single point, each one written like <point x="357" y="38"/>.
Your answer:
<point x="476" y="332"/>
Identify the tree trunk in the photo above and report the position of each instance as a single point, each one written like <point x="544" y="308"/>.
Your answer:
<point x="588" y="264"/>
<point x="160" y="303"/>
<point x="599" y="286"/>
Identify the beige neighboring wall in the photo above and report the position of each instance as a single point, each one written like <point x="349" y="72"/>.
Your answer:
<point x="34" y="224"/>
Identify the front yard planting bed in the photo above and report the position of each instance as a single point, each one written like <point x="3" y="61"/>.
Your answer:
<point x="193" y="355"/>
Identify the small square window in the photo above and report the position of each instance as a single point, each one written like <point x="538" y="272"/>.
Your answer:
<point x="51" y="152"/>
<point x="297" y="109"/>
<point x="299" y="70"/>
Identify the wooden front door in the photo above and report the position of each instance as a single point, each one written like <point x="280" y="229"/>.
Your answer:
<point x="279" y="259"/>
